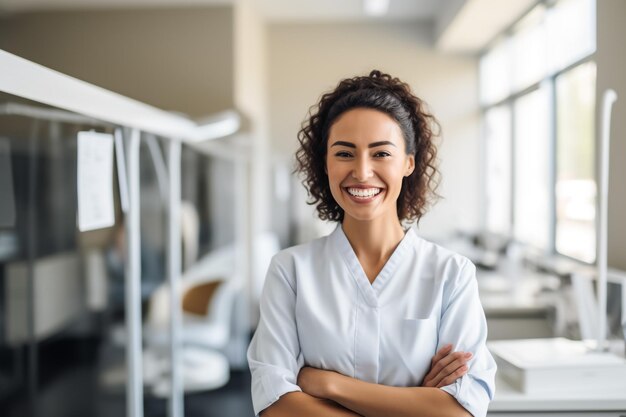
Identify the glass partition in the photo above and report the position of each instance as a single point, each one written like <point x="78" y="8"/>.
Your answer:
<point x="62" y="338"/>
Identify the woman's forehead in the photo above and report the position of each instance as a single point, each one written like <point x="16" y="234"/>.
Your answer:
<point x="363" y="127"/>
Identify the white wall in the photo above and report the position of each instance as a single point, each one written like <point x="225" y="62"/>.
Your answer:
<point x="306" y="60"/>
<point x="177" y="59"/>
<point x="250" y="93"/>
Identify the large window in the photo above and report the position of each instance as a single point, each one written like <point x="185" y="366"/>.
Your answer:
<point x="537" y="91"/>
<point x="532" y="168"/>
<point x="498" y="149"/>
<point x="575" y="184"/>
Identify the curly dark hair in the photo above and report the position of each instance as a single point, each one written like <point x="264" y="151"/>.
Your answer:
<point x="382" y="92"/>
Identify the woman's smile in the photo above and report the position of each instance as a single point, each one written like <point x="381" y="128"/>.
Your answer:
<point x="363" y="194"/>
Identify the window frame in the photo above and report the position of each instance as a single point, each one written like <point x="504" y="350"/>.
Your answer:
<point x="550" y="81"/>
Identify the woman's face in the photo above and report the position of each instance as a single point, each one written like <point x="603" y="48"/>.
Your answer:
<point x="366" y="161"/>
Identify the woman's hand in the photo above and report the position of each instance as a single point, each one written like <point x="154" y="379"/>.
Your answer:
<point x="446" y="367"/>
<point x="316" y="382"/>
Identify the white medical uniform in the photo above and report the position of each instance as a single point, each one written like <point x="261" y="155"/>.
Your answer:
<point x="319" y="309"/>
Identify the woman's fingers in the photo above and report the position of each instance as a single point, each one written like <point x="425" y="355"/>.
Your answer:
<point x="451" y="366"/>
<point x="441" y="353"/>
<point x="458" y="373"/>
<point x="441" y="359"/>
<point x="441" y="363"/>
<point x="445" y="367"/>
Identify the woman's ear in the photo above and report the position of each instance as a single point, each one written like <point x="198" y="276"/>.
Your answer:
<point x="410" y="165"/>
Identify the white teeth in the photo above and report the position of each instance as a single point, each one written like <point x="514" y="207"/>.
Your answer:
<point x="364" y="192"/>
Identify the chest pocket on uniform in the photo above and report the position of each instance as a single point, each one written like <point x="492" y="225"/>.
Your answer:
<point x="417" y="332"/>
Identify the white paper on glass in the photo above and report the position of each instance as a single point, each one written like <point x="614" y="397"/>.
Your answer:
<point x="95" y="181"/>
<point x="7" y="202"/>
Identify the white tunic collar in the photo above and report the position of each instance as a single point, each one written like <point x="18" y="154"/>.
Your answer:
<point x="371" y="291"/>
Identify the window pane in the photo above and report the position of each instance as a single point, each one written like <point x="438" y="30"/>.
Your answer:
<point x="575" y="184"/>
<point x="495" y="67"/>
<point x="571" y="32"/>
<point x="529" y="49"/>
<point x="498" y="172"/>
<point x="532" y="179"/>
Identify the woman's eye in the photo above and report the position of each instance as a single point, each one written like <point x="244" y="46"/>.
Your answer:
<point x="382" y="154"/>
<point x="343" y="154"/>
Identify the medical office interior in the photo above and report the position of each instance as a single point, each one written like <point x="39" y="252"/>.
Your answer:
<point x="195" y="106"/>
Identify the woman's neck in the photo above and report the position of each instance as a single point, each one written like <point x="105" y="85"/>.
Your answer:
<point x="373" y="240"/>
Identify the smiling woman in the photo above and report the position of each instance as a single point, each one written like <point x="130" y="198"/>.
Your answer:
<point x="371" y="320"/>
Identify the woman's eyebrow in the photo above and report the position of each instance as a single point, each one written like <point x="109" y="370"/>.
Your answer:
<point x="381" y="143"/>
<point x="371" y="145"/>
<point x="343" y="143"/>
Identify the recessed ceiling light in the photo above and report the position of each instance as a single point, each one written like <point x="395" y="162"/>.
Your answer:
<point x="375" y="7"/>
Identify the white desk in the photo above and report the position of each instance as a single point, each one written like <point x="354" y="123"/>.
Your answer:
<point x="510" y="402"/>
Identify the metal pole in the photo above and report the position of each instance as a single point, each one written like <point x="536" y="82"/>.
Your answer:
<point x="242" y="245"/>
<point x="608" y="99"/>
<point x="159" y="165"/>
<point x="245" y="255"/>
<point x="134" y="387"/>
<point x="624" y="312"/>
<point x="33" y="362"/>
<point x="122" y="178"/>
<point x="175" y="405"/>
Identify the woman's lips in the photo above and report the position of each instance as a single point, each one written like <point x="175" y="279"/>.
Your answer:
<point x="363" y="194"/>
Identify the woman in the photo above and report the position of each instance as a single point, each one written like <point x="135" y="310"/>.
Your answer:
<point x="363" y="321"/>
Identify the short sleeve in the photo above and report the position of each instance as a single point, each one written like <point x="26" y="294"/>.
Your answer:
<point x="463" y="324"/>
<point x="274" y="352"/>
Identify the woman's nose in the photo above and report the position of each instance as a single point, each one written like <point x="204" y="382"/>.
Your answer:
<point x="362" y="170"/>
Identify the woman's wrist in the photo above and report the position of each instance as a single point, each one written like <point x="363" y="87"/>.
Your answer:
<point x="334" y="386"/>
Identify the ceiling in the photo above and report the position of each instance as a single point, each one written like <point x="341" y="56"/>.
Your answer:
<point x="459" y="25"/>
<point x="272" y="10"/>
<point x="299" y="10"/>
